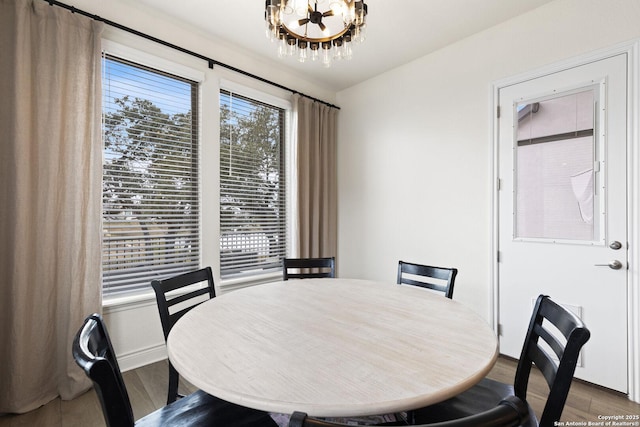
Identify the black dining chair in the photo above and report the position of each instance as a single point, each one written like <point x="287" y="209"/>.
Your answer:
<point x="167" y="299"/>
<point x="436" y="278"/>
<point x="308" y="268"/>
<point x="510" y="412"/>
<point x="93" y="352"/>
<point x="548" y="322"/>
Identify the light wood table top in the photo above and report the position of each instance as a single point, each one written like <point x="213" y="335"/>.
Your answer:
<point x="332" y="347"/>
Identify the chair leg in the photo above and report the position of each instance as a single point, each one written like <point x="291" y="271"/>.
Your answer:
<point x="173" y="384"/>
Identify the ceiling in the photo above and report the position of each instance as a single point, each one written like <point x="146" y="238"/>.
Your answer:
<point x="398" y="31"/>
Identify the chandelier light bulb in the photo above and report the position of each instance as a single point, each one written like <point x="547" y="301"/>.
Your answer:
<point x="272" y="14"/>
<point x="326" y="54"/>
<point x="314" y="47"/>
<point x="350" y="13"/>
<point x="320" y="29"/>
<point x="337" y="49"/>
<point x="291" y="46"/>
<point x="302" y="50"/>
<point x="282" y="47"/>
<point x="360" y="11"/>
<point x="347" y="51"/>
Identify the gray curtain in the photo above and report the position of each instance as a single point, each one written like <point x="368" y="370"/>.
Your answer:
<point x="316" y="178"/>
<point x="50" y="198"/>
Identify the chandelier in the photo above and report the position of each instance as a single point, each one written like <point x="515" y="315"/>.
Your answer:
<point x="318" y="30"/>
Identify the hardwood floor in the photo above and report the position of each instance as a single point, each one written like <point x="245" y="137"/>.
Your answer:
<point x="147" y="391"/>
<point x="586" y="402"/>
<point x="147" y="388"/>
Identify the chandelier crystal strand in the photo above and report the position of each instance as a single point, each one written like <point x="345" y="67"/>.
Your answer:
<point x="322" y="30"/>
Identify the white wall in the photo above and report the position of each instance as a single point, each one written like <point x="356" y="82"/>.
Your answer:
<point x="415" y="144"/>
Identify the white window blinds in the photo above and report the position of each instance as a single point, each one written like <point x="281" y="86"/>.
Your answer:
<point x="252" y="186"/>
<point x="150" y="178"/>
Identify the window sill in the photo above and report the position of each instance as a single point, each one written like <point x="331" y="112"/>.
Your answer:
<point x="139" y="299"/>
<point x="115" y="303"/>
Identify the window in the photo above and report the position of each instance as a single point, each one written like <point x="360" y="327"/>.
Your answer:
<point x="555" y="177"/>
<point x="150" y="179"/>
<point x="252" y="186"/>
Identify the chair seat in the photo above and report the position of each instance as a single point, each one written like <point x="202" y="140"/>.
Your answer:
<point x="481" y="397"/>
<point x="202" y="409"/>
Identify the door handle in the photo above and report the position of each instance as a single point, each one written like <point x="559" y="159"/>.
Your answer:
<point x="614" y="265"/>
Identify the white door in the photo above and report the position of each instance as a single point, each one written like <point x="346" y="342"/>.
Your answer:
<point x="562" y="209"/>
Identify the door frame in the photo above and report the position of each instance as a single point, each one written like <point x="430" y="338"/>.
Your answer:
<point x="632" y="49"/>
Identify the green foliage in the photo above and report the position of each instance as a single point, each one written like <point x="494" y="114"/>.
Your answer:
<point x="153" y="150"/>
<point x="252" y="211"/>
<point x="151" y="156"/>
<point x="251" y="158"/>
<point x="148" y="161"/>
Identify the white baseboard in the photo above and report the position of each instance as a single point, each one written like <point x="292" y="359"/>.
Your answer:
<point x="142" y="357"/>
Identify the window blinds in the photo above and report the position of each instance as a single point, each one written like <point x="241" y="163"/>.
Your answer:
<point x="150" y="177"/>
<point x="252" y="186"/>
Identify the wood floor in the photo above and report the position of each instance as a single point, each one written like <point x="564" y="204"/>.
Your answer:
<point x="147" y="388"/>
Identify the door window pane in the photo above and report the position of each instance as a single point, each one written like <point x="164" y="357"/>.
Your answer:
<point x="555" y="156"/>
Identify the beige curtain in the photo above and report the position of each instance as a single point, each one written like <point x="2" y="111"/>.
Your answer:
<point x="316" y="178"/>
<point x="50" y="196"/>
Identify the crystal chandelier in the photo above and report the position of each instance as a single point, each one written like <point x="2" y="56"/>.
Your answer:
<point x="318" y="30"/>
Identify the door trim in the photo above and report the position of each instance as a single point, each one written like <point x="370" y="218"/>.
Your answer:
<point x="632" y="50"/>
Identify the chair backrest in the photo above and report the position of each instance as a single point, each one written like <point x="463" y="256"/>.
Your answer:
<point x="308" y="268"/>
<point x="510" y="412"/>
<point x="92" y="350"/>
<point x="423" y="275"/>
<point x="558" y="371"/>
<point x="187" y="301"/>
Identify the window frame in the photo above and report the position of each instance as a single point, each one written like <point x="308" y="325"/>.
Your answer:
<point x="169" y="67"/>
<point x="259" y="92"/>
<point x="211" y="81"/>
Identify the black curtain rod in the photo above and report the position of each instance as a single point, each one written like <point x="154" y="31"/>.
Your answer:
<point x="210" y="61"/>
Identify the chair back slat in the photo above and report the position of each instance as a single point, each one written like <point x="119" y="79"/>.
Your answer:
<point x="564" y="320"/>
<point x="550" y="340"/>
<point x="197" y="276"/>
<point x="189" y="295"/>
<point x="545" y="363"/>
<point x="422" y="275"/>
<point x="426" y="284"/>
<point x="308" y="268"/>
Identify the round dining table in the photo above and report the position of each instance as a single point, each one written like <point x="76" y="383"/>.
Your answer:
<point x="332" y="347"/>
